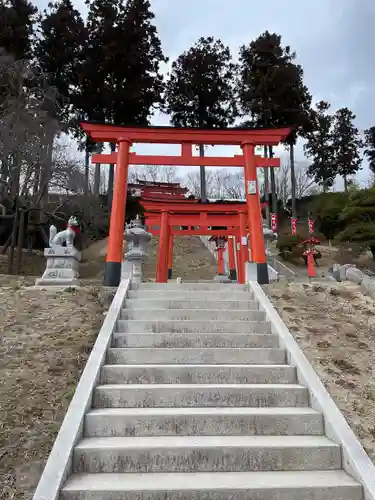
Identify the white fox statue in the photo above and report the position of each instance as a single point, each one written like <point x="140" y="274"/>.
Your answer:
<point x="66" y="236"/>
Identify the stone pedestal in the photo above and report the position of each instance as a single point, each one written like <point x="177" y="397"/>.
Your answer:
<point x="62" y="267"/>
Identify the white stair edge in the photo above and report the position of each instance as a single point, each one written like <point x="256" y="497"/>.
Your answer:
<point x="204" y="411"/>
<point x="355" y="460"/>
<point x="205" y="480"/>
<point x="59" y="463"/>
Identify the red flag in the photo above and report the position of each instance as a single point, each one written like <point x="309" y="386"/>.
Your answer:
<point x="274" y="223"/>
<point x="293" y="222"/>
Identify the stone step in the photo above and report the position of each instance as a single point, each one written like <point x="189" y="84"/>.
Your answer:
<point x="170" y="355"/>
<point x="198" y="374"/>
<point x="214" y="286"/>
<point x="196" y="395"/>
<point x="205" y="454"/>
<point x="183" y="294"/>
<point x="296" y="485"/>
<point x="194" y="340"/>
<point x="171" y="303"/>
<point x="140" y="326"/>
<point x="191" y="314"/>
<point x="109" y="422"/>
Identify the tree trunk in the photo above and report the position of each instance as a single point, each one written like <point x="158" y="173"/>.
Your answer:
<point x="4" y="175"/>
<point x="21" y="233"/>
<point x="13" y="241"/>
<point x="202" y="176"/>
<point x="87" y="172"/>
<point x="267" y="190"/>
<point x="293" y="180"/>
<point x="273" y="185"/>
<point x="97" y="179"/>
<point x="36" y="180"/>
<point x="46" y="170"/>
<point x="15" y="173"/>
<point x="345" y="184"/>
<point x="111" y="177"/>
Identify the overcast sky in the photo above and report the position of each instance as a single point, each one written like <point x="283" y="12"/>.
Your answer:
<point x="334" y="41"/>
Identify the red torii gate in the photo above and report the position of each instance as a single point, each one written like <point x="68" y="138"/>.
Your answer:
<point x="186" y="137"/>
<point x="166" y="216"/>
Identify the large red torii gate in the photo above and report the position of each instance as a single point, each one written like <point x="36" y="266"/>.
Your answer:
<point x="186" y="137"/>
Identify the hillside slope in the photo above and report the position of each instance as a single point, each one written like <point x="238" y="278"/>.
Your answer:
<point x="334" y="325"/>
<point x="191" y="260"/>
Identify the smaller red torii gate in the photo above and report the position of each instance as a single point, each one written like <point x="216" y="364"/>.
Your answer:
<point x="165" y="220"/>
<point x="247" y="139"/>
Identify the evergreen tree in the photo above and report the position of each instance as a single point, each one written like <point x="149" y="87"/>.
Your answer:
<point x="200" y="90"/>
<point x="346" y="143"/>
<point x="272" y="93"/>
<point x="370" y="147"/>
<point x="17" y="20"/>
<point x="60" y="51"/>
<point x="138" y="82"/>
<point x="319" y="147"/>
<point x="358" y="219"/>
<point x="120" y="81"/>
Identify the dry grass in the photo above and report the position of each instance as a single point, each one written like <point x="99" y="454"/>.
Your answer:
<point x="46" y="337"/>
<point x="335" y="326"/>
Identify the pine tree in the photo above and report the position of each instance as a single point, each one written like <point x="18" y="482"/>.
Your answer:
<point x="319" y="147"/>
<point x="120" y="81"/>
<point x="370" y="147"/>
<point x="137" y="78"/>
<point x="358" y="218"/>
<point x="59" y="52"/>
<point x="346" y="143"/>
<point x="200" y="89"/>
<point x="17" y="22"/>
<point x="272" y="93"/>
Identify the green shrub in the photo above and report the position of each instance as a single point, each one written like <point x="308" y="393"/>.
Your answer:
<point x="288" y="246"/>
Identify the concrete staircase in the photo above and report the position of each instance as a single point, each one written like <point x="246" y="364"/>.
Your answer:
<point x="197" y="402"/>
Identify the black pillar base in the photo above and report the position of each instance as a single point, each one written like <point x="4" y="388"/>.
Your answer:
<point x="262" y="274"/>
<point x="233" y="274"/>
<point x="169" y="274"/>
<point x="112" y="273"/>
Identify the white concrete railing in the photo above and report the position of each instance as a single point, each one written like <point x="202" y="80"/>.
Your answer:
<point x="355" y="460"/>
<point x="59" y="463"/>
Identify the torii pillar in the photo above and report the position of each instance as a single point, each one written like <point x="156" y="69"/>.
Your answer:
<point x="258" y="267"/>
<point x="112" y="273"/>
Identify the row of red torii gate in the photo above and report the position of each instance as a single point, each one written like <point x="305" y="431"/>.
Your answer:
<point x="165" y="218"/>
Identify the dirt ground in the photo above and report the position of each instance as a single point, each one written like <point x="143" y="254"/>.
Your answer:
<point x="45" y="339"/>
<point x="335" y="326"/>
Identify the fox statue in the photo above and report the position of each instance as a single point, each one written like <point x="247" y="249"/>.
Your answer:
<point x="66" y="236"/>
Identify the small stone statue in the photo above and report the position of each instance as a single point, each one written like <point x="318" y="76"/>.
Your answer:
<point x="67" y="236"/>
<point x="62" y="261"/>
<point x="137" y="237"/>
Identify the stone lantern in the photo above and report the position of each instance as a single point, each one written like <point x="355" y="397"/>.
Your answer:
<point x="138" y="238"/>
<point x="269" y="236"/>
